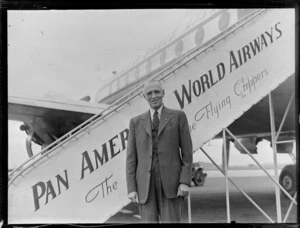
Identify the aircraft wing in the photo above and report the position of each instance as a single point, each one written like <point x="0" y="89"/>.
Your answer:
<point x="50" y="118"/>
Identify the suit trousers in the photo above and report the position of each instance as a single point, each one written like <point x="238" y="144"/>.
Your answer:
<point x="158" y="208"/>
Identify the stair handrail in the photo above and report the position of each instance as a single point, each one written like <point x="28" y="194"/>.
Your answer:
<point x="131" y="95"/>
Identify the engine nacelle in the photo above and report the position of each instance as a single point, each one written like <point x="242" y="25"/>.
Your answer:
<point x="249" y="143"/>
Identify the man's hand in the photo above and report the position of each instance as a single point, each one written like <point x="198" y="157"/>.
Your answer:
<point x="133" y="196"/>
<point x="183" y="190"/>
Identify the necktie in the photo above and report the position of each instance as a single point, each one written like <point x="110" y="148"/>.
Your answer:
<point x="155" y="120"/>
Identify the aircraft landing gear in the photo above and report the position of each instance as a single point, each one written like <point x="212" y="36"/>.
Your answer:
<point x="199" y="177"/>
<point x="287" y="179"/>
<point x="26" y="128"/>
<point x="31" y="137"/>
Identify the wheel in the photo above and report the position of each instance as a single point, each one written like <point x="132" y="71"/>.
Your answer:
<point x="287" y="179"/>
<point x="199" y="178"/>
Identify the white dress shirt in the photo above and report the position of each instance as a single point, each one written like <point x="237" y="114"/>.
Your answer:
<point x="158" y="111"/>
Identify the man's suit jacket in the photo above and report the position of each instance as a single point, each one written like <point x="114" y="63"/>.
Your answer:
<point x="174" y="153"/>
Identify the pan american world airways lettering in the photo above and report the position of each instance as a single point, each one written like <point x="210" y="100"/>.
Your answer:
<point x="236" y="59"/>
<point x="49" y="189"/>
<point x="45" y="191"/>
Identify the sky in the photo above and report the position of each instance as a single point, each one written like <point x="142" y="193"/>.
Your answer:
<point x="59" y="51"/>
<point x="72" y="53"/>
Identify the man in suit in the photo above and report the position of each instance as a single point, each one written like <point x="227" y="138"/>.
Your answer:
<point x="159" y="159"/>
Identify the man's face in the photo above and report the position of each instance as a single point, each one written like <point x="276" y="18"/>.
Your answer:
<point x="154" y="94"/>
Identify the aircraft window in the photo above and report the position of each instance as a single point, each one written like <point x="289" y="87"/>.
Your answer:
<point x="179" y="48"/>
<point x="224" y="21"/>
<point x="199" y="36"/>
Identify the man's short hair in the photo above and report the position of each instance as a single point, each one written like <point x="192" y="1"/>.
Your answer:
<point x="152" y="81"/>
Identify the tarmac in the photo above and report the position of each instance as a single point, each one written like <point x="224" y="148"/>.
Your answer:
<point x="208" y="202"/>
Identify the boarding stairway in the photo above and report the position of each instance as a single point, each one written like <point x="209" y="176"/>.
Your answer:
<point x="85" y="168"/>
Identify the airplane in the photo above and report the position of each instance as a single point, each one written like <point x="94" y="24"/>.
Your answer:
<point x="47" y="119"/>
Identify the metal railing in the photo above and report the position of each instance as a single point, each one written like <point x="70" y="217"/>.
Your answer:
<point x="238" y="187"/>
<point x="84" y="127"/>
<point x="262" y="168"/>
